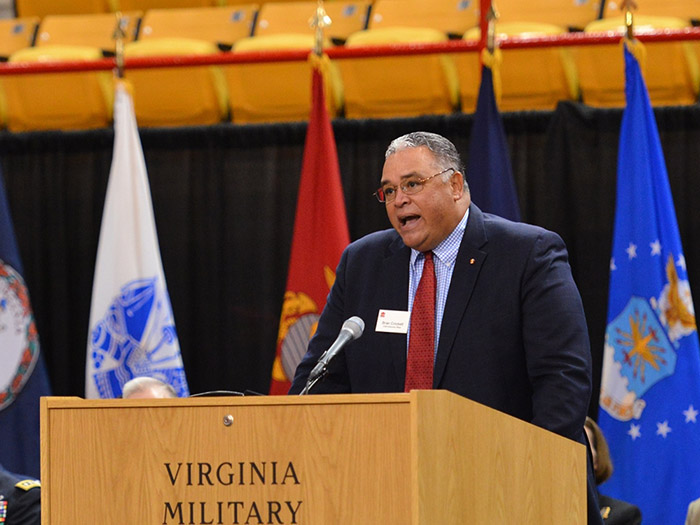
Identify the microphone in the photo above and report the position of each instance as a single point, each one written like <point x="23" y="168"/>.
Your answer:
<point x="352" y="329"/>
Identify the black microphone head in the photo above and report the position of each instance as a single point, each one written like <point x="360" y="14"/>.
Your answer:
<point x="355" y="326"/>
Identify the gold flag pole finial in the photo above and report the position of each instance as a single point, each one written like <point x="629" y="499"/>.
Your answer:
<point x="119" y="35"/>
<point x="491" y="18"/>
<point x="629" y="6"/>
<point x="319" y="21"/>
<point x="629" y="24"/>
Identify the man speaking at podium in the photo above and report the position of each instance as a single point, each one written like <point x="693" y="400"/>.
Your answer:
<point x="457" y="299"/>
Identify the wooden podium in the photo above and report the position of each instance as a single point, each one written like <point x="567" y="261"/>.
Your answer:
<point x="428" y="457"/>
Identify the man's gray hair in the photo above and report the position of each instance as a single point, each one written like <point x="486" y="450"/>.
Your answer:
<point x="143" y="383"/>
<point x="445" y="152"/>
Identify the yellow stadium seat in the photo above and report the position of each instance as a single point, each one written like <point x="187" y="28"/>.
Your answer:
<point x="402" y="86"/>
<point x="670" y="68"/>
<point x="268" y="92"/>
<point x="145" y="5"/>
<point x="96" y="30"/>
<point x="688" y="10"/>
<point x="293" y="17"/>
<point x="452" y="17"/>
<point x="231" y="3"/>
<point x="176" y="96"/>
<point x="42" y="8"/>
<point x="220" y="25"/>
<point x="16" y="34"/>
<point x="58" y="100"/>
<point x="567" y="14"/>
<point x="240" y="2"/>
<point x="531" y="79"/>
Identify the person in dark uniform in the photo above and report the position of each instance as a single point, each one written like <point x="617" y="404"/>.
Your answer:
<point x="613" y="511"/>
<point x="20" y="499"/>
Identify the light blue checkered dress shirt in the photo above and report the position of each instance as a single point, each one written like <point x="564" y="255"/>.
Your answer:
<point x="444" y="257"/>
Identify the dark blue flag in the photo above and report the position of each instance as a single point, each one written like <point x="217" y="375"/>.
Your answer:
<point x="23" y="378"/>
<point x="489" y="173"/>
<point x="650" y="385"/>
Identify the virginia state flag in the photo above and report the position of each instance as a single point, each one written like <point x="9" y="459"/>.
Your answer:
<point x="650" y="386"/>
<point x="489" y="172"/>
<point x="320" y="235"/>
<point x="132" y="331"/>
<point x="23" y="377"/>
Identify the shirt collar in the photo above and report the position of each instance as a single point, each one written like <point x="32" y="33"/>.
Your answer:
<point x="446" y="251"/>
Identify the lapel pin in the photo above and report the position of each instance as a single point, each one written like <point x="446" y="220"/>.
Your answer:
<point x="471" y="261"/>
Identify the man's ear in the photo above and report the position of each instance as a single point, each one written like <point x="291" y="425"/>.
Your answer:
<point x="457" y="184"/>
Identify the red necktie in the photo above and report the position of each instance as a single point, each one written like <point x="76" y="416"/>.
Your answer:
<point x="421" y="345"/>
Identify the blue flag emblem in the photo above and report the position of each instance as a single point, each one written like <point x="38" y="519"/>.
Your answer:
<point x="641" y="346"/>
<point x="18" y="336"/>
<point x="136" y="337"/>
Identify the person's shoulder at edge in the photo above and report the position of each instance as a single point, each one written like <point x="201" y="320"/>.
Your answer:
<point x="20" y="498"/>
<point x="618" y="512"/>
<point x="693" y="517"/>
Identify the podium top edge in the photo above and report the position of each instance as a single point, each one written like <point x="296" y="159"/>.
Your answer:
<point x="57" y="402"/>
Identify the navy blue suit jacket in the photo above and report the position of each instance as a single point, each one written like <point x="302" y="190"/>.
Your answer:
<point x="513" y="336"/>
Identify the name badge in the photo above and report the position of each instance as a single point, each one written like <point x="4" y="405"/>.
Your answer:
<point x="392" y="321"/>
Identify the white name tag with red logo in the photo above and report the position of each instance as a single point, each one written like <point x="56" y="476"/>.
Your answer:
<point x="392" y="321"/>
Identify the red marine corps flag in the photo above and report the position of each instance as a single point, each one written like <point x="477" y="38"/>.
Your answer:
<point x="320" y="235"/>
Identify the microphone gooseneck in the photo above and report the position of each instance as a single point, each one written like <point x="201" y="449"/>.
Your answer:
<point x="351" y="330"/>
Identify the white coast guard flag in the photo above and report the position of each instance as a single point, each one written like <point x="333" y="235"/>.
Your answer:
<point x="132" y="331"/>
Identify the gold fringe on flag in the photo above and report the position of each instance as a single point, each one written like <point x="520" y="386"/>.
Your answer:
<point x="493" y="61"/>
<point x="638" y="49"/>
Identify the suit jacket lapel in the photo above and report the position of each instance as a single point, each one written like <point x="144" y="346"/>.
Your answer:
<point x="469" y="261"/>
<point x="395" y="293"/>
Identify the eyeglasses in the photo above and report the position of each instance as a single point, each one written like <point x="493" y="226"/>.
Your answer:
<point x="410" y="186"/>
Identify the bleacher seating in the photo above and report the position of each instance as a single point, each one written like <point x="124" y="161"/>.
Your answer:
<point x="42" y="8"/>
<point x="145" y="5"/>
<point x="530" y="78"/>
<point x="452" y="17"/>
<point x="407" y="85"/>
<point x="402" y="86"/>
<point x="58" y="101"/>
<point x="16" y="34"/>
<point x="222" y="26"/>
<point x="670" y="68"/>
<point x="294" y="17"/>
<point x="567" y="14"/>
<point x="96" y="30"/>
<point x="379" y="87"/>
<point x="688" y="10"/>
<point x="176" y="96"/>
<point x="266" y="92"/>
<point x="190" y="95"/>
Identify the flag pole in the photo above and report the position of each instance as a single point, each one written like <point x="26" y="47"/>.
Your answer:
<point x="319" y="21"/>
<point x="491" y="17"/>
<point x="316" y="245"/>
<point x="484" y="7"/>
<point x="119" y="35"/>
<point x="489" y="53"/>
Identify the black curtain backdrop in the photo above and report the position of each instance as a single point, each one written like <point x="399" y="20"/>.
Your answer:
<point x="224" y="199"/>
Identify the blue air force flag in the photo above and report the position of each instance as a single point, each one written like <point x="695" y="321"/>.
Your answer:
<point x="650" y="385"/>
<point x="132" y="331"/>
<point x="22" y="375"/>
<point x="489" y="172"/>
